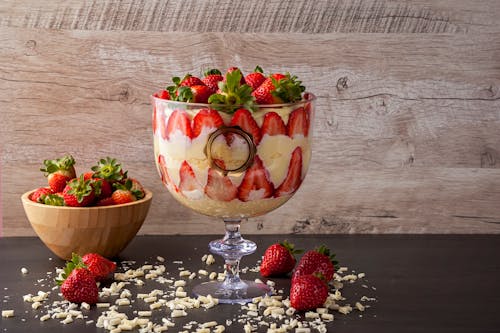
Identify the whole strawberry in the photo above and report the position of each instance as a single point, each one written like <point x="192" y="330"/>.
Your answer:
<point x="256" y="78"/>
<point x="59" y="172"/>
<point x="308" y="292"/>
<point x="316" y="261"/>
<point x="79" y="192"/>
<point x="279" y="88"/>
<point x="109" y="169"/>
<point x="77" y="282"/>
<point x="99" y="266"/>
<point x="212" y="79"/>
<point x="278" y="259"/>
<point x="40" y="194"/>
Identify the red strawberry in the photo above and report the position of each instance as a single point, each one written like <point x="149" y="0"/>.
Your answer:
<point x="122" y="196"/>
<point x="128" y="191"/>
<point x="99" y="266"/>
<point x="188" y="180"/>
<point x="316" y="261"/>
<point x="77" y="282"/>
<point x="201" y="93"/>
<point x="103" y="188"/>
<point x="298" y="123"/>
<point x="255" y="78"/>
<point x="279" y="88"/>
<point x="220" y="187"/>
<point x="109" y="169"/>
<point x="88" y="175"/>
<point x="212" y="79"/>
<point x="273" y="124"/>
<point x="256" y="183"/>
<point x="178" y="121"/>
<point x="163" y="94"/>
<point x="79" y="192"/>
<point x="106" y="202"/>
<point x="40" y="193"/>
<point x="278" y="259"/>
<point x="206" y="118"/>
<point x="308" y="292"/>
<point x="234" y="69"/>
<point x="165" y="177"/>
<point x="243" y="118"/>
<point x="294" y="175"/>
<point x="59" y="172"/>
<point x="190" y="80"/>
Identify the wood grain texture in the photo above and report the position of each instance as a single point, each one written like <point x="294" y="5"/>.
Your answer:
<point x="407" y="134"/>
<point x="261" y="16"/>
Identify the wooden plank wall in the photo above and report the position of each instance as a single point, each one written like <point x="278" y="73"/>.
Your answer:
<point x="407" y="137"/>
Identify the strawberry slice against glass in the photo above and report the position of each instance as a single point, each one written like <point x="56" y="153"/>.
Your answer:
<point x="220" y="187"/>
<point x="273" y="125"/>
<point x="294" y="175"/>
<point x="189" y="185"/>
<point x="178" y="122"/>
<point x="256" y="184"/>
<point x="298" y="123"/>
<point x="206" y="118"/>
<point x="244" y="119"/>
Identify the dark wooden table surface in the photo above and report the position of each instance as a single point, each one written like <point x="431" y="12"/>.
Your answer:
<point x="422" y="283"/>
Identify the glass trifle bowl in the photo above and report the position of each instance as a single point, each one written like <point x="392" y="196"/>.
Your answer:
<point x="233" y="163"/>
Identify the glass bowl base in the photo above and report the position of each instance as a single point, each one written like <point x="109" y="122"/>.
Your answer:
<point x="244" y="292"/>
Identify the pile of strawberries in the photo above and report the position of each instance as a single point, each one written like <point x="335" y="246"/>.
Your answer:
<point x="235" y="89"/>
<point x="309" y="285"/>
<point x="79" y="280"/>
<point x="106" y="184"/>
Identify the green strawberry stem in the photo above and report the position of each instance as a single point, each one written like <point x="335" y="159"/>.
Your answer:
<point x="326" y="251"/>
<point x="63" y="163"/>
<point x="109" y="169"/>
<point x="80" y="188"/>
<point x="288" y="89"/>
<point x="75" y="262"/>
<point x="234" y="95"/>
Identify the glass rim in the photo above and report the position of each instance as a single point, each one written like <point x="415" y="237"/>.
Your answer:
<point x="306" y="97"/>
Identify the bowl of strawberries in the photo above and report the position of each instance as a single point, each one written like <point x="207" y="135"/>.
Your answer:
<point x="99" y="211"/>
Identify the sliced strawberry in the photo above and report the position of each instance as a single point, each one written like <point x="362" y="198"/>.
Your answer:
<point x="273" y="124"/>
<point x="206" y="118"/>
<point x="220" y="187"/>
<point x="243" y="118"/>
<point x="188" y="180"/>
<point x="178" y="121"/>
<point x="294" y="176"/>
<point x="298" y="123"/>
<point x="256" y="183"/>
<point x="165" y="177"/>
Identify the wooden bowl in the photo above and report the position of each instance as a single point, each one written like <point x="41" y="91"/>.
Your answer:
<point x="105" y="230"/>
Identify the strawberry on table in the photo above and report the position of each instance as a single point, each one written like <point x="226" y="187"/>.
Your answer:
<point x="78" y="283"/>
<point x="315" y="261"/>
<point x="308" y="292"/>
<point x="99" y="266"/>
<point x="293" y="177"/>
<point x="273" y="124"/>
<point x="206" y="118"/>
<point x="79" y="192"/>
<point x="243" y="118"/>
<point x="178" y="121"/>
<point x="279" y="259"/>
<point x="256" y="183"/>
<point x="220" y="187"/>
<point x="59" y="172"/>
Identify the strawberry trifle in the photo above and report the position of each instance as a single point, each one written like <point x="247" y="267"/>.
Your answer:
<point x="234" y="147"/>
<point x="233" y="160"/>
